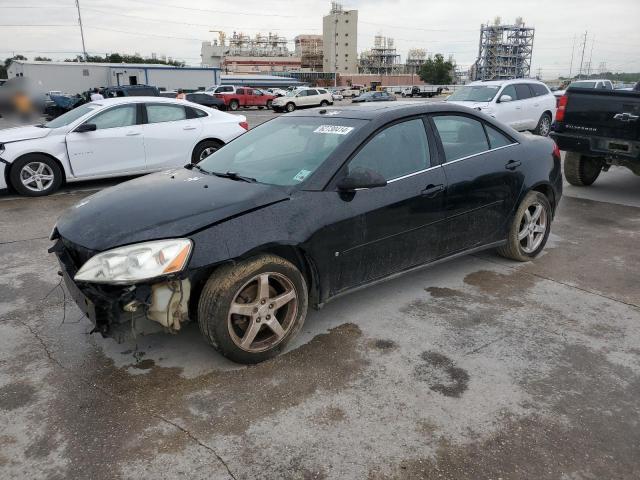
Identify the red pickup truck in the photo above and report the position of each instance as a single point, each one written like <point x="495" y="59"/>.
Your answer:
<point x="236" y="97"/>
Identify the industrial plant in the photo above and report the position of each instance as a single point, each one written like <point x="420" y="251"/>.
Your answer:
<point x="504" y="52"/>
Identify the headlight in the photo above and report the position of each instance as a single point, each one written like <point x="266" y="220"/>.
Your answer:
<point x="137" y="262"/>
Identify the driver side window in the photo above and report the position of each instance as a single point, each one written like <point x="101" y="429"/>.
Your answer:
<point x="122" y="116"/>
<point x="511" y="91"/>
<point x="396" y="151"/>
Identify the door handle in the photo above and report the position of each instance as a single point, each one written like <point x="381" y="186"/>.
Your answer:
<point x="432" y="190"/>
<point x="132" y="134"/>
<point x="189" y="127"/>
<point x="513" y="164"/>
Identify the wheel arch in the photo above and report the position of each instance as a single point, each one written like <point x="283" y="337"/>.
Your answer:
<point x="547" y="190"/>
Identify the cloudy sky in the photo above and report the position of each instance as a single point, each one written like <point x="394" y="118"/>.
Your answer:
<point x="176" y="28"/>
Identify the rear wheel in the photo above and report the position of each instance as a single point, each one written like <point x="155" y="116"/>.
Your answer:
<point x="290" y="107"/>
<point x="204" y="149"/>
<point x="250" y="310"/>
<point x="544" y="125"/>
<point x="35" y="175"/>
<point x="580" y="170"/>
<point x="269" y="104"/>
<point x="234" y="105"/>
<point x="530" y="228"/>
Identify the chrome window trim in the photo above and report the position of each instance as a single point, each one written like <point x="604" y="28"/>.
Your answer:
<point x="480" y="153"/>
<point x="412" y="174"/>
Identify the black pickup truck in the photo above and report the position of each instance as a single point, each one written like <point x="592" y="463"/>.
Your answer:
<point x="597" y="129"/>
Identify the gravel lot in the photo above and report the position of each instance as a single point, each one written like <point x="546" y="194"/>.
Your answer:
<point x="479" y="368"/>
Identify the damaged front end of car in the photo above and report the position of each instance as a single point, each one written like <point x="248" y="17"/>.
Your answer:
<point x="128" y="291"/>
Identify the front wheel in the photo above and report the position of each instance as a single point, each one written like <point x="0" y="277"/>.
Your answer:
<point x="580" y="170"/>
<point x="290" y="107"/>
<point x="35" y="175"/>
<point x="544" y="125"/>
<point x="529" y="230"/>
<point x="324" y="103"/>
<point x="250" y="310"/>
<point x="234" y="105"/>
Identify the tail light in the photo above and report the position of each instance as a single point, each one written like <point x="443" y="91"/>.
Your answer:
<point x="562" y="107"/>
<point x="244" y="125"/>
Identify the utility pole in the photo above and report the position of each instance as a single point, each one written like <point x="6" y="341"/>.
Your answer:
<point x="584" y="45"/>
<point x="593" y="41"/>
<point x="573" y="49"/>
<point x="84" y="49"/>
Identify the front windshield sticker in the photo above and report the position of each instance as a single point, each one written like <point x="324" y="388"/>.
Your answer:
<point x="302" y="174"/>
<point x="335" y="129"/>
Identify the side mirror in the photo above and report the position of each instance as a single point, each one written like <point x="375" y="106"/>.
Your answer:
<point x="361" y="178"/>
<point x="86" y="127"/>
<point x="505" y="98"/>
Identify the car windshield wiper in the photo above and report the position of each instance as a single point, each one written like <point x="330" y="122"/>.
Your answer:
<point x="232" y="176"/>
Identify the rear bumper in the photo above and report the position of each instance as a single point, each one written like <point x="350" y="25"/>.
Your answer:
<point x="609" y="148"/>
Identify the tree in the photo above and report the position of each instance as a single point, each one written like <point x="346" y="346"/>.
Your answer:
<point x="42" y="59"/>
<point x="437" y="71"/>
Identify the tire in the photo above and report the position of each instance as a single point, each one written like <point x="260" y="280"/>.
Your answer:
<point x="46" y="174"/>
<point x="324" y="103"/>
<point x="544" y="125"/>
<point x="528" y="228"/>
<point x="269" y="104"/>
<point x="260" y="107"/>
<point x="580" y="170"/>
<point x="226" y="331"/>
<point x="204" y="149"/>
<point x="290" y="107"/>
<point x="234" y="105"/>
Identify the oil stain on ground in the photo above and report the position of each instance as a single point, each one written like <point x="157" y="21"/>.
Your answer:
<point x="441" y="374"/>
<point x="15" y="395"/>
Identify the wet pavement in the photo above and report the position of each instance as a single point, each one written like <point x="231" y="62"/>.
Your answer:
<point x="477" y="368"/>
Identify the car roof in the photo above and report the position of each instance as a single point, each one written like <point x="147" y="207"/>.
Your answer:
<point x="371" y="111"/>
<point x="133" y="99"/>
<point x="504" y="82"/>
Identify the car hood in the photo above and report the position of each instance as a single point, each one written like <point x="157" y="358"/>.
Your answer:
<point x="17" y="134"/>
<point x="474" y="105"/>
<point x="168" y="204"/>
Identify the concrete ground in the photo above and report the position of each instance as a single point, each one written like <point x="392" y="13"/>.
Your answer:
<point x="479" y="368"/>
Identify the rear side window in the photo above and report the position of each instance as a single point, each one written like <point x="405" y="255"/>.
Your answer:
<point x="165" y="113"/>
<point x="497" y="139"/>
<point x="195" y="112"/>
<point x="539" y="89"/>
<point x="396" y="151"/>
<point x="523" y="91"/>
<point x="322" y="91"/>
<point x="460" y="136"/>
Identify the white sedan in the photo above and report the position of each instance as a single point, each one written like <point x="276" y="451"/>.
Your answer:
<point x="110" y="138"/>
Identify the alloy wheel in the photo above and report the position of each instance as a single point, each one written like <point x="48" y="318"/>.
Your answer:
<point x="262" y="312"/>
<point x="545" y="126"/>
<point x="36" y="176"/>
<point x="206" y="152"/>
<point x="533" y="227"/>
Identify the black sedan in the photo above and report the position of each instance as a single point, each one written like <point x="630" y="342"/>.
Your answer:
<point x="374" y="97"/>
<point x="206" y="100"/>
<point x="299" y="210"/>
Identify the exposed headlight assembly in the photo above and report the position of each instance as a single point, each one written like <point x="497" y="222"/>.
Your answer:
<point x="138" y="262"/>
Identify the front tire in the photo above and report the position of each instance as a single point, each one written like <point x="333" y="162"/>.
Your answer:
<point x="249" y="311"/>
<point x="324" y="103"/>
<point x="204" y="149"/>
<point x="544" y="125"/>
<point x="529" y="229"/>
<point x="580" y="170"/>
<point x="290" y="107"/>
<point x="234" y="105"/>
<point x="35" y="175"/>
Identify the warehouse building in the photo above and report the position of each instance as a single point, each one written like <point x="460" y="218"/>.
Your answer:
<point x="74" y="77"/>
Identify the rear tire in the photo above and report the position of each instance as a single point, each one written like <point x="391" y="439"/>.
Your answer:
<point x="204" y="149"/>
<point x="44" y="173"/>
<point x="580" y="170"/>
<point x="544" y="125"/>
<point x="250" y="310"/>
<point x="529" y="229"/>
